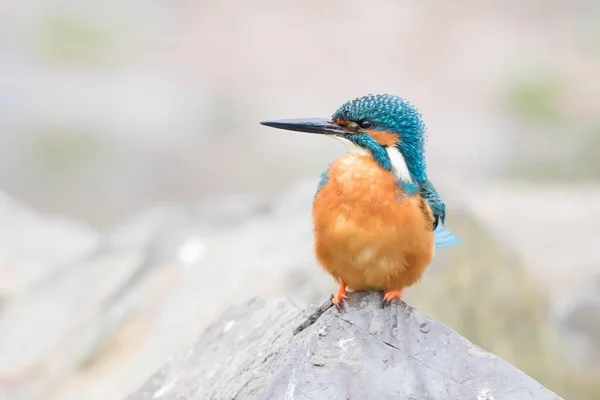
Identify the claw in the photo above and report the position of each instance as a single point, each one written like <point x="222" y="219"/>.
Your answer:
<point x="340" y="296"/>
<point x="390" y="295"/>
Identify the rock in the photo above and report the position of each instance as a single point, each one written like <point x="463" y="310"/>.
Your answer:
<point x="36" y="246"/>
<point x="558" y="246"/>
<point x="276" y="349"/>
<point x="526" y="217"/>
<point x="578" y="320"/>
<point x="41" y="256"/>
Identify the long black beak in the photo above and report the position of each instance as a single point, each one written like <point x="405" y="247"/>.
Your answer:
<point x="322" y="126"/>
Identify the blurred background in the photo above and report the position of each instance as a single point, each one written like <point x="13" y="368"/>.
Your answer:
<point x="140" y="198"/>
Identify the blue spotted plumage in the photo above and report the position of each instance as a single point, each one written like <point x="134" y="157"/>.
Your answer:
<point x="394" y="114"/>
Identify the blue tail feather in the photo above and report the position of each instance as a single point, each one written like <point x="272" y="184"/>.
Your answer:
<point x="444" y="238"/>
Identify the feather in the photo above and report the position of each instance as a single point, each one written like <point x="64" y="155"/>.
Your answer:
<point x="444" y="238"/>
<point x="437" y="206"/>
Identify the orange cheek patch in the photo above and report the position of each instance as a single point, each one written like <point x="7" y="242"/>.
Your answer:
<point x="384" y="138"/>
<point x="341" y="122"/>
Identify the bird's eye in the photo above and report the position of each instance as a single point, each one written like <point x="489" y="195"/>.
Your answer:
<point x="365" y="124"/>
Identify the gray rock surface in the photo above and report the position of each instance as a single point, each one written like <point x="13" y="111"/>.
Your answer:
<point x="34" y="245"/>
<point x="276" y="349"/>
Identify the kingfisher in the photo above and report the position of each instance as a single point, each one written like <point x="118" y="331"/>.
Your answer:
<point x="377" y="218"/>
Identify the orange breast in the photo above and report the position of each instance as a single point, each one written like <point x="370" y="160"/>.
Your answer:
<point x="368" y="234"/>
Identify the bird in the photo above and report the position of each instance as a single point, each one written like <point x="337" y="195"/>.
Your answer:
<point x="377" y="217"/>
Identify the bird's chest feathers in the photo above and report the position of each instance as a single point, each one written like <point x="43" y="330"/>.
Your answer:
<point x="359" y="195"/>
<point x="367" y="230"/>
<point x="358" y="179"/>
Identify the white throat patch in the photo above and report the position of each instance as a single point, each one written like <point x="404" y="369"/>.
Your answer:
<point x="399" y="166"/>
<point x="352" y="148"/>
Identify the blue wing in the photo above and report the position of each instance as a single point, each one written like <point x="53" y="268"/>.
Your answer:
<point x="443" y="237"/>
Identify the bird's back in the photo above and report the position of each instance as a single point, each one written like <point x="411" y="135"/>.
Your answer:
<point x="368" y="233"/>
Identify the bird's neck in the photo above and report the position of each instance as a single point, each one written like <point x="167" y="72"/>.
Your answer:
<point x="392" y="159"/>
<point x="412" y="144"/>
<point x="414" y="158"/>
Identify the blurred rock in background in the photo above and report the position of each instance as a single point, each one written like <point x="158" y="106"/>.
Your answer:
<point x="148" y="112"/>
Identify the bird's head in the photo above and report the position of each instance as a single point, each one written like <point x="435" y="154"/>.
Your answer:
<point x="385" y="126"/>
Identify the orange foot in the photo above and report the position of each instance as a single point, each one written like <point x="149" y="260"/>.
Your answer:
<point x="340" y="296"/>
<point x="390" y="295"/>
